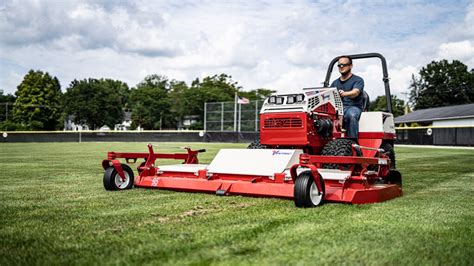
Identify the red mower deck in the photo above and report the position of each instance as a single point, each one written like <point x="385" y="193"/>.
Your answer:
<point x="301" y="154"/>
<point x="355" y="184"/>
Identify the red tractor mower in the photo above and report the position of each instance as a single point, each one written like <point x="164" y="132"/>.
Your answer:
<point x="302" y="154"/>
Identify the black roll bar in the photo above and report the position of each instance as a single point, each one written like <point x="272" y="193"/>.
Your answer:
<point x="385" y="78"/>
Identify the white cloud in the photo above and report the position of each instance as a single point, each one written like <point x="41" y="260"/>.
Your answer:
<point x="295" y="79"/>
<point x="463" y="51"/>
<point x="278" y="44"/>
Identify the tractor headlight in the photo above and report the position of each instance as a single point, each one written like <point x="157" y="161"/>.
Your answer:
<point x="299" y="98"/>
<point x="290" y="99"/>
<point x="279" y="100"/>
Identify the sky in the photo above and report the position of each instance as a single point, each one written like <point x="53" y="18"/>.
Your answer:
<point x="280" y="45"/>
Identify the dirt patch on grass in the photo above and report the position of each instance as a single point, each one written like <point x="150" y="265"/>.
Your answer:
<point x="240" y="204"/>
<point x="200" y="210"/>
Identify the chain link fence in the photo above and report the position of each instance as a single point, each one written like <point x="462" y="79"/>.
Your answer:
<point x="229" y="116"/>
<point x="6" y="111"/>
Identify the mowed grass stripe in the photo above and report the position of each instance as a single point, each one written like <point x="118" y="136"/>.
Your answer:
<point x="54" y="210"/>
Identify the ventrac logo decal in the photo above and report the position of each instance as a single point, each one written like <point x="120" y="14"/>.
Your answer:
<point x="278" y="152"/>
<point x="154" y="182"/>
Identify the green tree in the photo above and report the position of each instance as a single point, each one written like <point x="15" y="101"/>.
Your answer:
<point x="38" y="102"/>
<point x="6" y="103"/>
<point x="380" y="104"/>
<point x="179" y="104"/>
<point x="96" y="102"/>
<point x="441" y="84"/>
<point x="217" y="88"/>
<point x="151" y="107"/>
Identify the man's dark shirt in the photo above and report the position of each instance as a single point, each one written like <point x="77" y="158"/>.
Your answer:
<point x="347" y="85"/>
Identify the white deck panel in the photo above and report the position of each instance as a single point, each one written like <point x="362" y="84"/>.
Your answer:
<point x="262" y="162"/>
<point x="185" y="168"/>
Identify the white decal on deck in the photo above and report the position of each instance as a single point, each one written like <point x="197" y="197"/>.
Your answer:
<point x="155" y="181"/>
<point x="278" y="152"/>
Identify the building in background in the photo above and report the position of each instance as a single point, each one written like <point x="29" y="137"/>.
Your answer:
<point x="126" y="123"/>
<point x="448" y="125"/>
<point x="447" y="116"/>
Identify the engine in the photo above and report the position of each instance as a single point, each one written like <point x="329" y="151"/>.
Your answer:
<point x="306" y="120"/>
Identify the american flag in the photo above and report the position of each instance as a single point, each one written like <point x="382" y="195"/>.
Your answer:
<point x="242" y="100"/>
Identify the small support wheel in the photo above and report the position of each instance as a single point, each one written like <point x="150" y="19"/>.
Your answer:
<point x="113" y="181"/>
<point x="394" y="177"/>
<point x="306" y="192"/>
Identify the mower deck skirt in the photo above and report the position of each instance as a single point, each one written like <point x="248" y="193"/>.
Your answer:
<point x="227" y="187"/>
<point x="372" y="194"/>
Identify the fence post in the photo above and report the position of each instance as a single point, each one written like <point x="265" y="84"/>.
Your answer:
<point x="205" y="116"/>
<point x="256" y="115"/>
<point x="455" y="136"/>
<point x="235" y="112"/>
<point x="240" y="115"/>
<point x="222" y="116"/>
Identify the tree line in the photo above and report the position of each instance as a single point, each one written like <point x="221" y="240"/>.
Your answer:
<point x="155" y="103"/>
<point x="158" y="102"/>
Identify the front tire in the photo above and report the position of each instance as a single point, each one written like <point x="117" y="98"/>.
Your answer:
<point x="113" y="181"/>
<point x="306" y="192"/>
<point x="338" y="147"/>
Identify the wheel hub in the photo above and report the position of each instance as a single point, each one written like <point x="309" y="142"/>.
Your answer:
<point x="314" y="194"/>
<point x="121" y="184"/>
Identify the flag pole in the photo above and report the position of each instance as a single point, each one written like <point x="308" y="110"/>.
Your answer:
<point x="240" y="118"/>
<point x="235" y="111"/>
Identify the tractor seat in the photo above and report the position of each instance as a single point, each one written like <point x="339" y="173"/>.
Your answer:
<point x="365" y="101"/>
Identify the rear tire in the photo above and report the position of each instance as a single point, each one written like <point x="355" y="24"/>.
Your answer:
<point x="390" y="151"/>
<point x="338" y="147"/>
<point x="113" y="181"/>
<point x="306" y="192"/>
<point x="394" y="177"/>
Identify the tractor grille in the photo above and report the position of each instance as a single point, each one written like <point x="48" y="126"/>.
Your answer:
<point x="313" y="102"/>
<point x="289" y="122"/>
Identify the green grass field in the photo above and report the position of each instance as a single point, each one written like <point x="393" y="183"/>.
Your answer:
<point x="54" y="210"/>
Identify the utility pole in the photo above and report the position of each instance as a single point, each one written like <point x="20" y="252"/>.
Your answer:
<point x="407" y="108"/>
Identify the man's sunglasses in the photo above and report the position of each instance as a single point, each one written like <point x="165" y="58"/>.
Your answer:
<point x="343" y="65"/>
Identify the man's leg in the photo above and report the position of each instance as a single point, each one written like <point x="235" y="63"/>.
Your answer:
<point x="351" y="121"/>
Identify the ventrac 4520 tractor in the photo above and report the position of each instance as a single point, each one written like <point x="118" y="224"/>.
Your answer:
<point x="302" y="153"/>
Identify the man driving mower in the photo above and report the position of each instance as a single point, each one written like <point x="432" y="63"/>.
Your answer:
<point x="351" y="89"/>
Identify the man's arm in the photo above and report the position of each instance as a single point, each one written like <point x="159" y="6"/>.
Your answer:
<point x="351" y="94"/>
<point x="357" y="89"/>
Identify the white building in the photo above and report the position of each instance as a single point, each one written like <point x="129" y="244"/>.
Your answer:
<point x="447" y="116"/>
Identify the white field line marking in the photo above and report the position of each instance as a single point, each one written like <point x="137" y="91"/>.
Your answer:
<point x="434" y="147"/>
